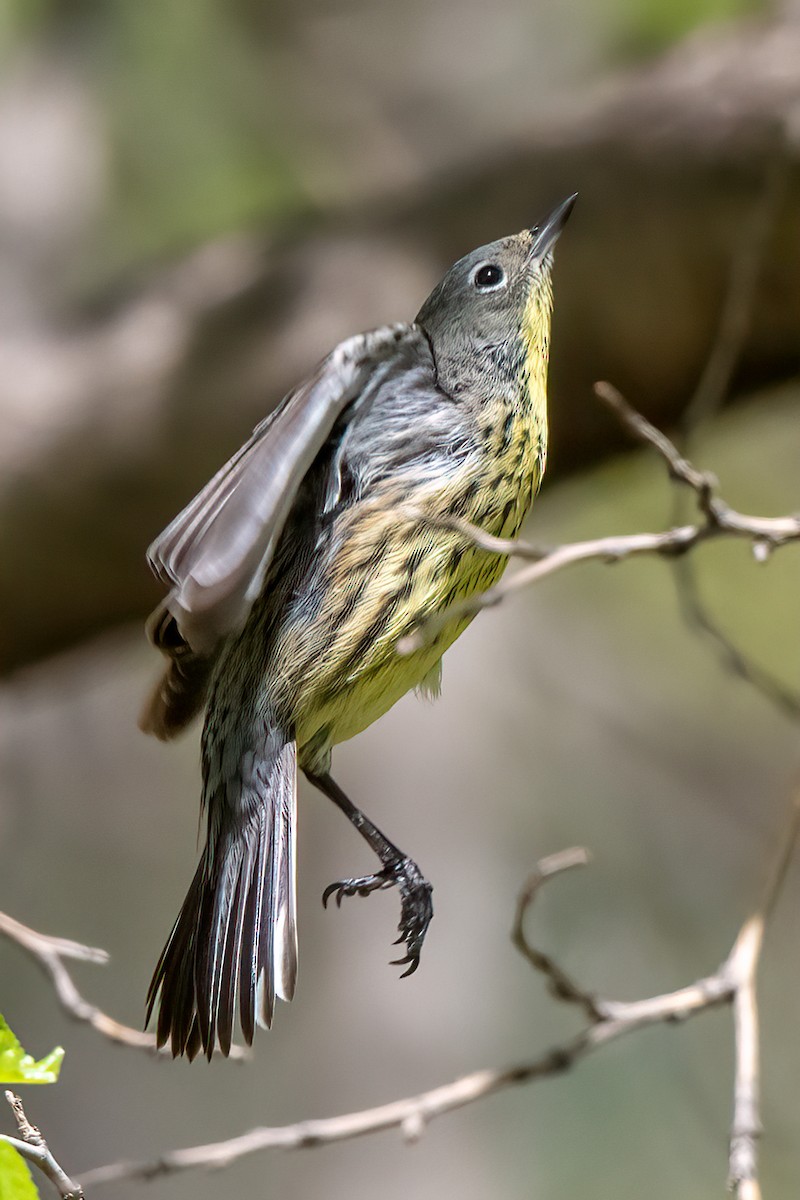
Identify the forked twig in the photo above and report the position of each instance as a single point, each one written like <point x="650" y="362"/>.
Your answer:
<point x="32" y="1146"/>
<point x="607" y="1021"/>
<point x="711" y="392"/>
<point x="49" y="953"/>
<point x="561" y="985"/>
<point x="717" y="520"/>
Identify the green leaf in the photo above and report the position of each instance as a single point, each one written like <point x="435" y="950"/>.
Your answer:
<point x="15" y="1178"/>
<point x="18" y="1067"/>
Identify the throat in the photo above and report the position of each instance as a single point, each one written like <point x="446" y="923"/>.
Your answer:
<point x="535" y="340"/>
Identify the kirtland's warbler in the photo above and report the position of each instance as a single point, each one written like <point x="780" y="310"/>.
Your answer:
<point x="295" y="573"/>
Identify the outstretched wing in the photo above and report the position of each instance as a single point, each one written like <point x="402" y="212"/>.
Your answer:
<point x="215" y="554"/>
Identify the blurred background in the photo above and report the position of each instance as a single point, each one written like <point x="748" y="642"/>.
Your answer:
<point x="197" y="200"/>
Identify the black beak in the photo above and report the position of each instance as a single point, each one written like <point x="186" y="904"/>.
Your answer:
<point x="546" y="235"/>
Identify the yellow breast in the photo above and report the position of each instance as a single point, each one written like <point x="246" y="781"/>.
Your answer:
<point x="394" y="570"/>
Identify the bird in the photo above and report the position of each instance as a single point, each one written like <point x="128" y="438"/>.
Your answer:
<point x="327" y="539"/>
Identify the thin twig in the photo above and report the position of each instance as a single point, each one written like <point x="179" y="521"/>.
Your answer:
<point x="642" y="430"/>
<point x="783" y="859"/>
<point x="560" y="985"/>
<point x="608" y="1021"/>
<point x="718" y="520"/>
<point x="746" y="1126"/>
<point x="697" y="617"/>
<point x="49" y="952"/>
<point x="712" y="390"/>
<point x="32" y="1146"/>
<point x="738" y="304"/>
<point x="414" y="1113"/>
<point x="719" y="516"/>
<point x="742" y="966"/>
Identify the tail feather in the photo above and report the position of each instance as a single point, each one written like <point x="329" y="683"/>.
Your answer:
<point x="285" y="949"/>
<point x="230" y="966"/>
<point x="172" y="984"/>
<point x="252" y="950"/>
<point x="236" y="933"/>
<point x="213" y="920"/>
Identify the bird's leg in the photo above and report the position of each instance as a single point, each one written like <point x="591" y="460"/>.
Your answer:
<point x="398" y="871"/>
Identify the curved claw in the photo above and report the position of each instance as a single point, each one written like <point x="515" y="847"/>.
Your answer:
<point x="354" y="887"/>
<point x="337" y="891"/>
<point x="412" y="959"/>
<point x="415" y="914"/>
<point x="416" y="909"/>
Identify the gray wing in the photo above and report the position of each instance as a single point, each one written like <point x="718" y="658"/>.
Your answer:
<point x="216" y="552"/>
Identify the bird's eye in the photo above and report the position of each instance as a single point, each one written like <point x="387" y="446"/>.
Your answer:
<point x="488" y="277"/>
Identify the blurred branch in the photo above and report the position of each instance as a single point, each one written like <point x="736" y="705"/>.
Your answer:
<point x="742" y="965"/>
<point x="608" y="1020"/>
<point x="32" y="1146"/>
<point x="561" y="986"/>
<point x="49" y="953"/>
<point x="715" y="383"/>
<point x="698" y="618"/>
<point x="114" y="417"/>
<point x="718" y="520"/>
<point x="736" y="314"/>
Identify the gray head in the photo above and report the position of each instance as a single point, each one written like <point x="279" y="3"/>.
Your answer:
<point x="492" y="301"/>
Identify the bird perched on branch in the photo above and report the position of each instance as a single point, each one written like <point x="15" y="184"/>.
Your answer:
<point x="294" y="574"/>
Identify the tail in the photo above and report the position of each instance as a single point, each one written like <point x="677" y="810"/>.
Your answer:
<point x="235" y="939"/>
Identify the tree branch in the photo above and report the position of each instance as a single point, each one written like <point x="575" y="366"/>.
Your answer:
<point x="608" y="1021"/>
<point x="738" y="304"/>
<point x="112" y="418"/>
<point x="560" y="984"/>
<point x="32" y="1146"/>
<point x="718" y="520"/>
<point x="49" y="953"/>
<point x="742" y="966"/>
<point x="727" y="348"/>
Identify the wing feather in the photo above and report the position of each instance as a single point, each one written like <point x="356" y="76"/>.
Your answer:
<point x="215" y="554"/>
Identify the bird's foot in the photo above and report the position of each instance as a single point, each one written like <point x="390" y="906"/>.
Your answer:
<point x="416" y="911"/>
<point x="416" y="907"/>
<point x="356" y="887"/>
